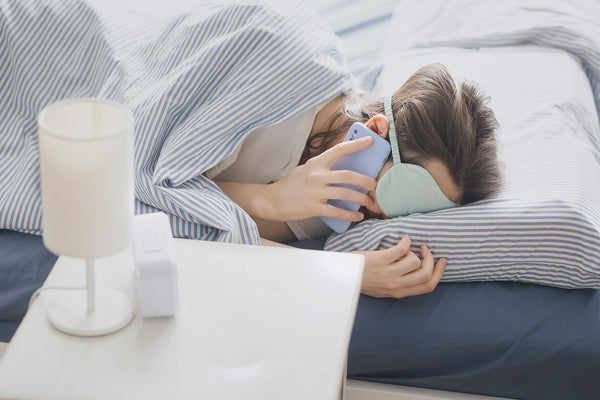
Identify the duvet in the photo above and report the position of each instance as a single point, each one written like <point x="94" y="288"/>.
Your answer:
<point x="197" y="81"/>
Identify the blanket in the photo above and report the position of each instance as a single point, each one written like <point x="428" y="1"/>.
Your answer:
<point x="197" y="80"/>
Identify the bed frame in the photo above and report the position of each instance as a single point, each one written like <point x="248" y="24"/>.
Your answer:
<point x="361" y="390"/>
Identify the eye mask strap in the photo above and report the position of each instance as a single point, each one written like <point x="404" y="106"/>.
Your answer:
<point x="406" y="188"/>
<point x="392" y="130"/>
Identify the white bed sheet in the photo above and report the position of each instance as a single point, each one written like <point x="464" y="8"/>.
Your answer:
<point x="527" y="86"/>
<point x="362" y="25"/>
<point x="518" y="79"/>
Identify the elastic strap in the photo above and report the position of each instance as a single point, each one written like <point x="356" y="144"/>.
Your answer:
<point x="392" y="130"/>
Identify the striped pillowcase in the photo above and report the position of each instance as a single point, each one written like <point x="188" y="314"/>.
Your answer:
<point x="547" y="242"/>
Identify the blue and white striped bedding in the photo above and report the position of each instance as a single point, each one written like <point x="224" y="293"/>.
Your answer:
<point x="197" y="80"/>
<point x="157" y="63"/>
<point x="544" y="227"/>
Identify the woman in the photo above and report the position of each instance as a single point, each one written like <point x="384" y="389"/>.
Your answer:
<point x="212" y="89"/>
<point x="443" y="127"/>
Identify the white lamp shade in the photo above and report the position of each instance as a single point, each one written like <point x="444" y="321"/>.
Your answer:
<point x="86" y="162"/>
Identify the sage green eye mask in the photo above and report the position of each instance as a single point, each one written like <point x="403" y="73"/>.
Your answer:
<point x="407" y="188"/>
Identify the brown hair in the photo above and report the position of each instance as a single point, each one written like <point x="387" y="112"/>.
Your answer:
<point x="434" y="119"/>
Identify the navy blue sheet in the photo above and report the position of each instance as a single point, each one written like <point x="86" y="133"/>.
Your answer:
<point x="24" y="265"/>
<point x="502" y="339"/>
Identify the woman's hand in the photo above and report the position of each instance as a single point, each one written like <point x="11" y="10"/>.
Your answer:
<point x="398" y="272"/>
<point x="304" y="192"/>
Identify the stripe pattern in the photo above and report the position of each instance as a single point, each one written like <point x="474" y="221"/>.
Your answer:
<point x="547" y="243"/>
<point x="545" y="225"/>
<point x="197" y="83"/>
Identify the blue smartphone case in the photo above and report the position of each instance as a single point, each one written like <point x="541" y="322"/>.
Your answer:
<point x="367" y="162"/>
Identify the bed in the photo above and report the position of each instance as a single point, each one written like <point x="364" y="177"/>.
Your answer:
<point x="502" y="335"/>
<point x="504" y="339"/>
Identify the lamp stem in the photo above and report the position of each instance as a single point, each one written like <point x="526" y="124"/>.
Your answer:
<point x="90" y="285"/>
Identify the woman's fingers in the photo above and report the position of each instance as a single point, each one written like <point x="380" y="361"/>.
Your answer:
<point x="331" y="211"/>
<point x="404" y="267"/>
<point x="343" y="193"/>
<point x="340" y="150"/>
<point x="424" y="279"/>
<point x="438" y="271"/>
<point x="395" y="253"/>
<point x="398" y="272"/>
<point x="433" y="271"/>
<point x="340" y="184"/>
<point x="426" y="287"/>
<point x="352" y="178"/>
<point x="422" y="273"/>
<point x="304" y="192"/>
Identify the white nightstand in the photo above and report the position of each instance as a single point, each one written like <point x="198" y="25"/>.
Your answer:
<point x="253" y="323"/>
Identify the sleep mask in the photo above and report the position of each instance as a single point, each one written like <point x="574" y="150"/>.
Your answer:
<point x="407" y="188"/>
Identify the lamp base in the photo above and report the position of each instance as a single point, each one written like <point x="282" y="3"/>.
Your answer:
<point x="68" y="312"/>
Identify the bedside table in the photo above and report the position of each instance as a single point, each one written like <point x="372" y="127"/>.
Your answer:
<point x="253" y="323"/>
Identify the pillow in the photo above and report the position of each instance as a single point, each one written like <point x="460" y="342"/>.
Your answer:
<point x="544" y="226"/>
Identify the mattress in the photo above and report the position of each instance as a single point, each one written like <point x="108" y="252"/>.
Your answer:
<point x="503" y="339"/>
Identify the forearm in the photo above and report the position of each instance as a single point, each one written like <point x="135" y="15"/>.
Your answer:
<point x="253" y="198"/>
<point x="256" y="200"/>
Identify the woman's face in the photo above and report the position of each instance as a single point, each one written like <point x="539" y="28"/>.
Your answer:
<point x="440" y="173"/>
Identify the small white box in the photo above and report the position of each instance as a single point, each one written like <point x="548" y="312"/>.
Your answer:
<point x="156" y="269"/>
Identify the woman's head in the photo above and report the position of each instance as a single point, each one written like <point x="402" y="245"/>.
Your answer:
<point x="443" y="127"/>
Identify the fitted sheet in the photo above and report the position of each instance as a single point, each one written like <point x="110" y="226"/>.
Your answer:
<point x="504" y="339"/>
<point x="24" y="266"/>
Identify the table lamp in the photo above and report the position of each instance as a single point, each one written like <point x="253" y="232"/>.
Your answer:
<point x="86" y="161"/>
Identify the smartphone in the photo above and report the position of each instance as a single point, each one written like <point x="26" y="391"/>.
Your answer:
<point x="367" y="162"/>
